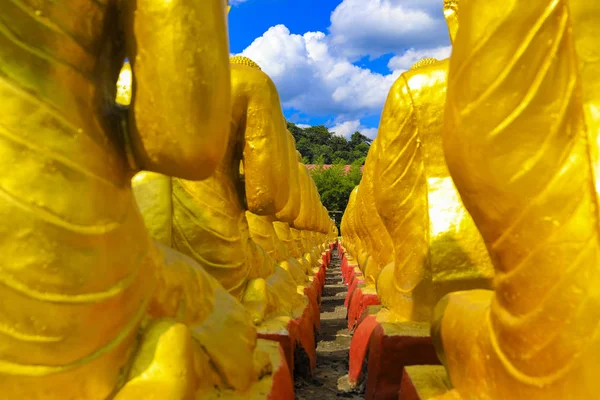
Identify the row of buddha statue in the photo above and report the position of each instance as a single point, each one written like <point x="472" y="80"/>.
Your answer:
<point x="149" y="228"/>
<point x="478" y="207"/>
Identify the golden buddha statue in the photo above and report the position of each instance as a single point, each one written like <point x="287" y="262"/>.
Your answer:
<point x="262" y="228"/>
<point x="92" y="308"/>
<point x="436" y="246"/>
<point x="521" y="142"/>
<point x="378" y="246"/>
<point x="307" y="220"/>
<point x="207" y="220"/>
<point x="352" y="239"/>
<point x="287" y="235"/>
<point x="346" y="228"/>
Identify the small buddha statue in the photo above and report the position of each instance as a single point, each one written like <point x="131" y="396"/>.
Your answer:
<point x="290" y="237"/>
<point x="436" y="246"/>
<point x="521" y="142"/>
<point x="307" y="222"/>
<point x="351" y="238"/>
<point x="378" y="246"/>
<point x="91" y="307"/>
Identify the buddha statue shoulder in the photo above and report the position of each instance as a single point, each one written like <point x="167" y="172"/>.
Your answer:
<point x="81" y="284"/>
<point x="521" y="142"/>
<point x="437" y="248"/>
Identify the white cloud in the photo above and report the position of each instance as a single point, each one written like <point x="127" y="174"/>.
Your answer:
<point x="409" y="58"/>
<point x="236" y="2"/>
<point x="303" y="126"/>
<point x="375" y="27"/>
<point x="313" y="80"/>
<point x="347" y="128"/>
<point x="314" y="72"/>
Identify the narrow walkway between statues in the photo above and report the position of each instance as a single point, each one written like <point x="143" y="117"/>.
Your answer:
<point x="333" y="342"/>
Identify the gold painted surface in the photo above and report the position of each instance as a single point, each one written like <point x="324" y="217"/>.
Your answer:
<point x="81" y="279"/>
<point x="348" y="226"/>
<point x="424" y="62"/>
<point x="263" y="233"/>
<point x="260" y="131"/>
<point x="161" y="36"/>
<point x="241" y="60"/>
<point x="208" y="216"/>
<point x="370" y="228"/>
<point x="292" y="208"/>
<point x="436" y="247"/>
<point x="208" y="220"/>
<point x="284" y="233"/>
<point x="521" y="142"/>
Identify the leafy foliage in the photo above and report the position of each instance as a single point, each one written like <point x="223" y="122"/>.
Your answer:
<point x="335" y="185"/>
<point x="317" y="143"/>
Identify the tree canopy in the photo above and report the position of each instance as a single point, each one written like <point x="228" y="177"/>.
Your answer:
<point x="336" y="183"/>
<point x="318" y="143"/>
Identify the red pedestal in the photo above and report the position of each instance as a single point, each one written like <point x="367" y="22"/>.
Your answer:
<point x="355" y="279"/>
<point x="344" y="266"/>
<point x="283" y="385"/>
<point x="321" y="276"/>
<point x="352" y="272"/>
<point x="326" y="258"/>
<point x="299" y="332"/>
<point x="390" y="347"/>
<point x="312" y="293"/>
<point x="359" y="300"/>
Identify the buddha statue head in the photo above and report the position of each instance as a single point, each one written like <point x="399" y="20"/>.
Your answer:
<point x="451" y="15"/>
<point x="424" y="62"/>
<point x="241" y="60"/>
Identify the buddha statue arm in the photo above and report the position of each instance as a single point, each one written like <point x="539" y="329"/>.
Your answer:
<point x="179" y="116"/>
<point x="521" y="145"/>
<point x="262" y="127"/>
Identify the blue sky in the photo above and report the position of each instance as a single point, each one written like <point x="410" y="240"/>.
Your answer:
<point x="334" y="61"/>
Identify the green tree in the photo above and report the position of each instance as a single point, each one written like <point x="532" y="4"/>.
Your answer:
<point x="318" y="142"/>
<point x="335" y="185"/>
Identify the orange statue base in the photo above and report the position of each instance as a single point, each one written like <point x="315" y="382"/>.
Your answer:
<point x="359" y="298"/>
<point x="390" y="347"/>
<point x="297" y="337"/>
<point x="278" y="386"/>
